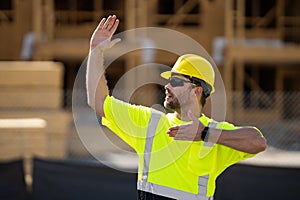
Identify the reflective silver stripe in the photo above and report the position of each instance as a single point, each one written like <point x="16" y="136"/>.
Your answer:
<point x="174" y="193"/>
<point x="211" y="124"/>
<point x="154" y="119"/>
<point x="146" y="186"/>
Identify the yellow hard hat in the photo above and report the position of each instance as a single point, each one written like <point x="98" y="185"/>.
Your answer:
<point x="193" y="66"/>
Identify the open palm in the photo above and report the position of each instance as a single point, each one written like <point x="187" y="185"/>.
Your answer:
<point x="103" y="33"/>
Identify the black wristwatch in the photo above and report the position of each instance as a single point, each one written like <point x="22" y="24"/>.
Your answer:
<point x="204" y="134"/>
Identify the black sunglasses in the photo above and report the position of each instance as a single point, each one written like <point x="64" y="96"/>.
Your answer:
<point x="178" y="82"/>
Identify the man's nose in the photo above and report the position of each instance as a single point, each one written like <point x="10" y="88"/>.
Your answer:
<point x="167" y="86"/>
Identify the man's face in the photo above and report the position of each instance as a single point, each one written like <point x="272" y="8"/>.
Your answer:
<point x="178" y="92"/>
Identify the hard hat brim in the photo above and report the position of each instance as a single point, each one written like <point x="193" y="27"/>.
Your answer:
<point x="166" y="75"/>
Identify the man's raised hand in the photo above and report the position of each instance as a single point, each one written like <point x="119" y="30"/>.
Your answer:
<point x="103" y="33"/>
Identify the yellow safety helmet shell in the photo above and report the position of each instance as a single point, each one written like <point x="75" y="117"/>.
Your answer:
<point x="194" y="66"/>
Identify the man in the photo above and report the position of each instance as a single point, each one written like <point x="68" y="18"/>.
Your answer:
<point x="181" y="153"/>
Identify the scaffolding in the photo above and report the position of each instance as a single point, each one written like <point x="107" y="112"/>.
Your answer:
<point x="259" y="38"/>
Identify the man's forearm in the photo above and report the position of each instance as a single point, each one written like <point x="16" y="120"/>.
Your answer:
<point x="97" y="89"/>
<point x="245" y="139"/>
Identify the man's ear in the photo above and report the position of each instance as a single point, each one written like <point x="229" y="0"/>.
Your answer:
<point x="198" y="91"/>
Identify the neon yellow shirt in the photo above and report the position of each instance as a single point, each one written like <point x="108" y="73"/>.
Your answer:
<point x="175" y="164"/>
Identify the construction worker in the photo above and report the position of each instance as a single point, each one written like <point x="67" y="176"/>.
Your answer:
<point x="180" y="153"/>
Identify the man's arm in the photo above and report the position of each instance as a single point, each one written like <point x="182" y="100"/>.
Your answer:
<point x="246" y="139"/>
<point x="96" y="84"/>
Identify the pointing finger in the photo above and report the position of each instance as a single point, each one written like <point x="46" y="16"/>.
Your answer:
<point x="173" y="128"/>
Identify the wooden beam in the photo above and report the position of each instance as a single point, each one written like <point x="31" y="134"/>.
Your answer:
<point x="229" y="20"/>
<point x="31" y="74"/>
<point x="37" y="19"/>
<point x="130" y="6"/>
<point x="182" y="12"/>
<point x="98" y="10"/>
<point x="280" y="19"/>
<point x="49" y="17"/>
<point x="254" y="54"/>
<point x="240" y="19"/>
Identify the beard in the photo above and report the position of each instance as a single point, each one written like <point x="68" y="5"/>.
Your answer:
<point x="171" y="105"/>
<point x="175" y="103"/>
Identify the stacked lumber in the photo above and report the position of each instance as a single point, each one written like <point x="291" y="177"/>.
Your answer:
<point x="32" y="120"/>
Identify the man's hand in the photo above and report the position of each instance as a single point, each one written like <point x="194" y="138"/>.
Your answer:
<point x="103" y="33"/>
<point x="190" y="131"/>
<point x="96" y="83"/>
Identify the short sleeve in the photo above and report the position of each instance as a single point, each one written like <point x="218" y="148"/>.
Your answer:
<point x="126" y="120"/>
<point x="215" y="158"/>
<point x="227" y="156"/>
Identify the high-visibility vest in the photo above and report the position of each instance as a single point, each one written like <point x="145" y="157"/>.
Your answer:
<point x="146" y="186"/>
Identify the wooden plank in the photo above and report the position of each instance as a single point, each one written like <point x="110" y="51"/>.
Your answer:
<point x="229" y="18"/>
<point x="240" y="20"/>
<point x="14" y="151"/>
<point x="263" y="33"/>
<point x="37" y="19"/>
<point x="8" y="42"/>
<point x="26" y="97"/>
<point x="264" y="54"/>
<point x="57" y="145"/>
<point x="31" y="73"/>
<point x="58" y="121"/>
<point x="31" y="123"/>
<point x="75" y="31"/>
<point x="76" y="49"/>
<point x="26" y="137"/>
<point x="49" y="12"/>
<point x="21" y="137"/>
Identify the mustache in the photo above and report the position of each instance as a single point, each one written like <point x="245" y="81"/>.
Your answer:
<point x="169" y="91"/>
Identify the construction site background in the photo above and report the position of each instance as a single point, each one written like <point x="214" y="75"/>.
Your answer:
<point x="255" y="45"/>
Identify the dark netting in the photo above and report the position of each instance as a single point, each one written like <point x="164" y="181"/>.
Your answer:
<point x="246" y="182"/>
<point x="72" y="180"/>
<point x="12" y="183"/>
